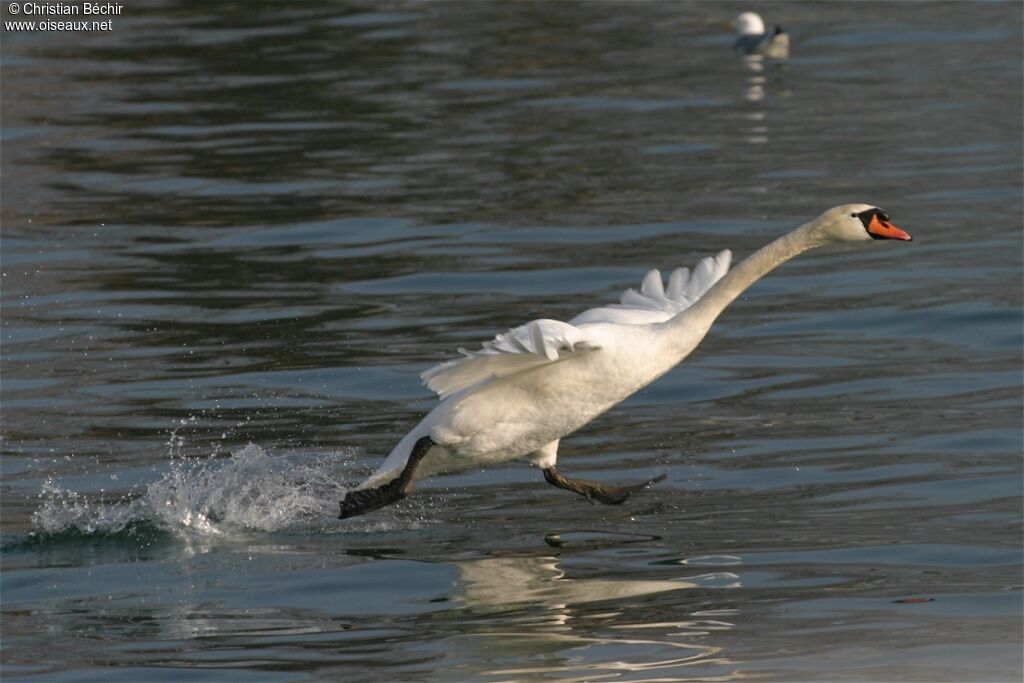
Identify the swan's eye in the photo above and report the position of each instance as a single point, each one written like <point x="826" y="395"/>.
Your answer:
<point x="866" y="216"/>
<point x="853" y="215"/>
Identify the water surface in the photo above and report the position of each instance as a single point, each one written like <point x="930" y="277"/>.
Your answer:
<point x="233" y="237"/>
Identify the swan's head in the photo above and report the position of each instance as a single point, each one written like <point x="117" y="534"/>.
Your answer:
<point x="748" y="24"/>
<point x="857" y="223"/>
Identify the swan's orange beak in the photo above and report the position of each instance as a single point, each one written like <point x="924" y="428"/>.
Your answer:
<point x="884" y="230"/>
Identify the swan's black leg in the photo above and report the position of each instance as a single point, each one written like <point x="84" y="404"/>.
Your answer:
<point x="363" y="501"/>
<point x="592" y="490"/>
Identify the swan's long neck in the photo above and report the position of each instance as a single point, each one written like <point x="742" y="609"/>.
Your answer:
<point x="697" y="319"/>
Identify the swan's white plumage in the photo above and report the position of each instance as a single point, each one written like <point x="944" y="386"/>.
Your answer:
<point x="654" y="303"/>
<point x="527" y="388"/>
<point x="528" y="346"/>
<point x="544" y="341"/>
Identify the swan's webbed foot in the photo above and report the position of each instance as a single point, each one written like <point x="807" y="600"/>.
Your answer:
<point x="592" y="490"/>
<point x="366" y="500"/>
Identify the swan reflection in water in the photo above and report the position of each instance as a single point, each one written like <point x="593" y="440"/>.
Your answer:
<point x="755" y="86"/>
<point x="760" y="51"/>
<point x="552" y="624"/>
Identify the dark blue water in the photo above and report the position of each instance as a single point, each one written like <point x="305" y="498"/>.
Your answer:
<point x="234" y="235"/>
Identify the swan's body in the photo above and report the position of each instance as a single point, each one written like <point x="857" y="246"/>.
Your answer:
<point x="752" y="39"/>
<point x="528" y="388"/>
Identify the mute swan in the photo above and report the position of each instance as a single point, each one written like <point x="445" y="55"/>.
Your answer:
<point x="531" y="386"/>
<point x="751" y="38"/>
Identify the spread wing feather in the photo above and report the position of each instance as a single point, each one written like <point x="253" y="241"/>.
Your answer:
<point x="654" y="303"/>
<point x="548" y="341"/>
<point x="536" y="343"/>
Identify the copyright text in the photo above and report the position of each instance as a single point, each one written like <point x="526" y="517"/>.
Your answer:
<point x="36" y="16"/>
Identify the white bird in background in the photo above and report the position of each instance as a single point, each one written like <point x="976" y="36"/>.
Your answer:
<point x="751" y="38"/>
<point x="528" y="388"/>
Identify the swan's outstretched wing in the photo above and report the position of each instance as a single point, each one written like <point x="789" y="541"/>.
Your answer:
<point x="655" y="303"/>
<point x="536" y="343"/>
<point x="548" y="341"/>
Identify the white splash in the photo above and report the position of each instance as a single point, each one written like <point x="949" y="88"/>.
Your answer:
<point x="64" y="510"/>
<point x="250" y="490"/>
